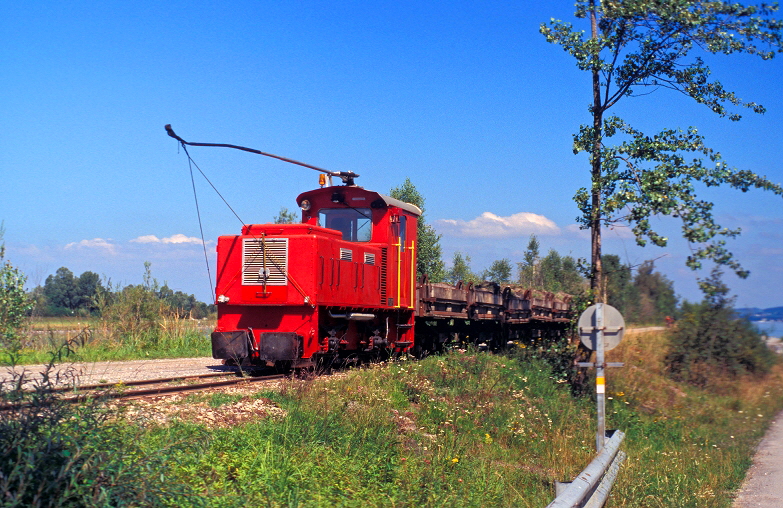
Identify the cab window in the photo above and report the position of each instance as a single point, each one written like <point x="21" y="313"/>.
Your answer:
<point x="354" y="223"/>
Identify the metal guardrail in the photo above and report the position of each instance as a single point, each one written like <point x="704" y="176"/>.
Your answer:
<point x="591" y="487"/>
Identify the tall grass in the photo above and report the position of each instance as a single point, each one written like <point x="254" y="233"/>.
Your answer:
<point x="110" y="338"/>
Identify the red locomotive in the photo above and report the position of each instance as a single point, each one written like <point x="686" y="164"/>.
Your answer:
<point x="342" y="284"/>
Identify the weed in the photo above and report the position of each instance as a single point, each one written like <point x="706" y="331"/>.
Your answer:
<point x="53" y="453"/>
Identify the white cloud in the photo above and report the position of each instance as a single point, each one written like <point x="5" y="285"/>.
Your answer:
<point x="146" y="239"/>
<point x="95" y="243"/>
<point x="490" y="225"/>
<point x="178" y="238"/>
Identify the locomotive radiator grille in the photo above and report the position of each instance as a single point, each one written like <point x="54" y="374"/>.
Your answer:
<point x="265" y="266"/>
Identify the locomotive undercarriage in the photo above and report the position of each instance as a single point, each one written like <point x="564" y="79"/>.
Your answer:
<point x="344" y="336"/>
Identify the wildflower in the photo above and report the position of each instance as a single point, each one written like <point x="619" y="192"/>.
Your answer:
<point x="455" y="460"/>
<point x="488" y="439"/>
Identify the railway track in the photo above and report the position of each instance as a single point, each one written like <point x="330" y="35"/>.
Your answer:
<point x="154" y="387"/>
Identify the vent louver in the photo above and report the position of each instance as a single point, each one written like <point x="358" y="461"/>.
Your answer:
<point x="369" y="259"/>
<point x="265" y="266"/>
<point x="346" y="254"/>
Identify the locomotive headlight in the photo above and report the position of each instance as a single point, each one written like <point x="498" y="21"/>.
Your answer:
<point x="305" y="205"/>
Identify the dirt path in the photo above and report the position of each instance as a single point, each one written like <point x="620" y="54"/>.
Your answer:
<point x="763" y="486"/>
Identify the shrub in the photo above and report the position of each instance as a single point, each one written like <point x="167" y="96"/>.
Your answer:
<point x="711" y="341"/>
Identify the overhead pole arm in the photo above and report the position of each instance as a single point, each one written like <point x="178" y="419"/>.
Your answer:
<point x="346" y="176"/>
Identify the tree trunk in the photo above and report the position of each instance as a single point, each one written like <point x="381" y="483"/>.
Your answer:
<point x="595" y="220"/>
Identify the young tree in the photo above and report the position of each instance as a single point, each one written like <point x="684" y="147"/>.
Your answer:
<point x="710" y="341"/>
<point x="527" y="268"/>
<point x="14" y="303"/>
<point x="635" y="48"/>
<point x="656" y="294"/>
<point x="460" y="270"/>
<point x="429" y="255"/>
<point x="499" y="271"/>
<point x="286" y="217"/>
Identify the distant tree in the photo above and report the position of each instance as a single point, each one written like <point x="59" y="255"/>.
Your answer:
<point x="499" y="271"/>
<point x="527" y="268"/>
<point x="429" y="255"/>
<point x="656" y="294"/>
<point x="553" y="272"/>
<point x="559" y="273"/>
<point x="460" y="270"/>
<point x="635" y="48"/>
<point x="620" y="291"/>
<point x="61" y="292"/>
<point x="286" y="217"/>
<point x="88" y="285"/>
<point x="183" y="304"/>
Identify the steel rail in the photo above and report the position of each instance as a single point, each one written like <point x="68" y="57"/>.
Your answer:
<point x="98" y="386"/>
<point x="148" y="392"/>
<point x="73" y="386"/>
<point x="194" y="387"/>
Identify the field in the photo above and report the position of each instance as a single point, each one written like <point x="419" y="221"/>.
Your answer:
<point x="101" y="340"/>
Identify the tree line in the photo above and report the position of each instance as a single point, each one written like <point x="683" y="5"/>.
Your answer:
<point x="65" y="294"/>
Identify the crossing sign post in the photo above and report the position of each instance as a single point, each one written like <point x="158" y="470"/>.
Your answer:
<point x="601" y="329"/>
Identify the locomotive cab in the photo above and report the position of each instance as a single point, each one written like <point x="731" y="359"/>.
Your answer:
<point x="340" y="283"/>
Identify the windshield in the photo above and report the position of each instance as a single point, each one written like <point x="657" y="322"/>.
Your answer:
<point x="353" y="223"/>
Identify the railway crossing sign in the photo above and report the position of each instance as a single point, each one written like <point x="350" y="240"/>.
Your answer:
<point x="613" y="327"/>
<point x="601" y="328"/>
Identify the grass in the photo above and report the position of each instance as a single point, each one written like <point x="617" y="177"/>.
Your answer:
<point x="467" y="429"/>
<point x="101" y="341"/>
<point x="686" y="446"/>
<point x="470" y="429"/>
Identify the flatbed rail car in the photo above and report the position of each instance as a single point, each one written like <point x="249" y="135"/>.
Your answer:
<point x="487" y="314"/>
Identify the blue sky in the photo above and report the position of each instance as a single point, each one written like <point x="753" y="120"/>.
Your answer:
<point x="465" y="98"/>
